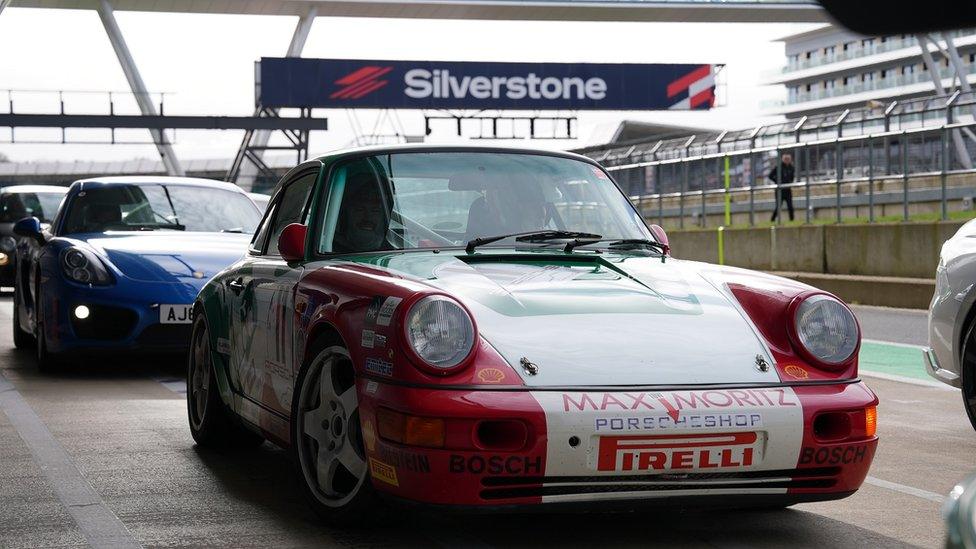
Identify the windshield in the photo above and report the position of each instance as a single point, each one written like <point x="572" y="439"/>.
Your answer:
<point x="153" y="206"/>
<point x="445" y="199"/>
<point x="16" y="206"/>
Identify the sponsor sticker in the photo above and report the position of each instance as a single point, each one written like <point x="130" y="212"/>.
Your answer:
<point x="838" y="455"/>
<point x="403" y="459"/>
<point x="599" y="173"/>
<point x="379" y="341"/>
<point x="679" y="452"/>
<point x="379" y="367"/>
<point x="496" y="465"/>
<point x="373" y="310"/>
<point x="385" y="314"/>
<point x="223" y="345"/>
<point x="490" y="375"/>
<point x="369" y="336"/>
<point x="371" y="387"/>
<point x="677" y="402"/>
<point x="383" y="472"/>
<point x="795" y="371"/>
<point x="664" y="422"/>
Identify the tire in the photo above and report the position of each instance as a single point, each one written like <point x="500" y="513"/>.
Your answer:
<point x="22" y="339"/>
<point x="967" y="368"/>
<point x="327" y="442"/>
<point x="212" y="423"/>
<point x="47" y="362"/>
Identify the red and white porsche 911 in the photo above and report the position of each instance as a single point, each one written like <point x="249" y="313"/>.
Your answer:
<point x="482" y="327"/>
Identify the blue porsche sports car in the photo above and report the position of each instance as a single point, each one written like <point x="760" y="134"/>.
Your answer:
<point x="122" y="263"/>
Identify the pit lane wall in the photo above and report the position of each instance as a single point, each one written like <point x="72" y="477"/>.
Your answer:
<point x="889" y="264"/>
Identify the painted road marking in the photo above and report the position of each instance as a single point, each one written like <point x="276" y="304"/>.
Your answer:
<point x="892" y="359"/>
<point x="100" y="526"/>
<point x="910" y="490"/>
<point x="175" y="384"/>
<point x="909" y="380"/>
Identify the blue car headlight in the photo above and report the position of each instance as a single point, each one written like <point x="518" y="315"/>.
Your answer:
<point x="83" y="267"/>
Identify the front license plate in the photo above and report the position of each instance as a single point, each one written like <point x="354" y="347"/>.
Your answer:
<point x="698" y="452"/>
<point x="175" y="314"/>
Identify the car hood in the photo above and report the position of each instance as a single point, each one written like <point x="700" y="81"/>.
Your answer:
<point x="168" y="256"/>
<point x="601" y="319"/>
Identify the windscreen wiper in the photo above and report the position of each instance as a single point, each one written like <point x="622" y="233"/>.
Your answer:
<point x="614" y="243"/>
<point x="531" y="236"/>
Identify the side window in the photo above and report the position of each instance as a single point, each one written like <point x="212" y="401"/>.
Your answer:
<point x="261" y="235"/>
<point x="290" y="208"/>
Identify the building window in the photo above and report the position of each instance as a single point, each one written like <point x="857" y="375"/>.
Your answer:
<point x="809" y="88"/>
<point x="828" y="84"/>
<point x="867" y="43"/>
<point x="884" y="73"/>
<point x="809" y="54"/>
<point x="972" y="58"/>
<point x="849" y="46"/>
<point x="884" y="39"/>
<point x="867" y="77"/>
<point x="908" y="69"/>
<point x="846" y="80"/>
<point x="829" y="50"/>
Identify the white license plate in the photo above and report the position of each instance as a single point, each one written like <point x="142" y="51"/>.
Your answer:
<point x="175" y="314"/>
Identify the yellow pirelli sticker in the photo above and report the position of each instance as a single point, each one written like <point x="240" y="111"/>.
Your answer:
<point x="384" y="472"/>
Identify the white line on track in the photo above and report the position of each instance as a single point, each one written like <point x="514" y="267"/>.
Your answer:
<point x="910" y="490"/>
<point x="100" y="526"/>
<point x="910" y="380"/>
<point x="894" y="344"/>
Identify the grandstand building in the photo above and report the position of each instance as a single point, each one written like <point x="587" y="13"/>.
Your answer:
<point x="832" y="69"/>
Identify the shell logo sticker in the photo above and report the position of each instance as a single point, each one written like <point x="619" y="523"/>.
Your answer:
<point x="383" y="472"/>
<point x="491" y="375"/>
<point x="796" y="371"/>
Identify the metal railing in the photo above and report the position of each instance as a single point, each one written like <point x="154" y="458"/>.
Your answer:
<point x="728" y="182"/>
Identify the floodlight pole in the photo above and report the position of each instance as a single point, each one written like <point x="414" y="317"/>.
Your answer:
<point x="3" y="4"/>
<point x="259" y="139"/>
<point x="107" y="15"/>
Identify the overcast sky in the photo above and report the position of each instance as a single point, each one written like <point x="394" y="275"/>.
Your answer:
<point x="206" y="63"/>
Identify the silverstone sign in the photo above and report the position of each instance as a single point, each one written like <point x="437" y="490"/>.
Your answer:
<point x="345" y="83"/>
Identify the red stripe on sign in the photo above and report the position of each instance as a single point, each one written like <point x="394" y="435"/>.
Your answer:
<point x="354" y="90"/>
<point x="706" y="96"/>
<point x="681" y="84"/>
<point x="356" y="76"/>
<point x="372" y="87"/>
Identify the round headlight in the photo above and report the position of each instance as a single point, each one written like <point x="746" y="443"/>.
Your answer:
<point x="440" y="331"/>
<point x="827" y="329"/>
<point x="75" y="259"/>
<point x="7" y="244"/>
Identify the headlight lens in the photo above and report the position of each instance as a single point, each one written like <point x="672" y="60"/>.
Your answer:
<point x="440" y="331"/>
<point x="826" y="328"/>
<point x="83" y="267"/>
<point x="7" y="244"/>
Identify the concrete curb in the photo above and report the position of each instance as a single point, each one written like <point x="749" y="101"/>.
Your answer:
<point x="886" y="291"/>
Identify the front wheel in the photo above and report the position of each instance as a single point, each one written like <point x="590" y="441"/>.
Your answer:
<point x="967" y="368"/>
<point x="211" y="422"/>
<point x="327" y="440"/>
<point x="22" y="339"/>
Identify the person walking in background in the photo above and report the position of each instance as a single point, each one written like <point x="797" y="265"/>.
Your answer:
<point x="783" y="174"/>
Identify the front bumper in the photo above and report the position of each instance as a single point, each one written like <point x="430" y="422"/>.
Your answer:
<point x="124" y="317"/>
<point x="933" y="368"/>
<point x="698" y="448"/>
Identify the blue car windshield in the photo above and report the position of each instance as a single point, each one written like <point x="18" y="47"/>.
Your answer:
<point x="160" y="207"/>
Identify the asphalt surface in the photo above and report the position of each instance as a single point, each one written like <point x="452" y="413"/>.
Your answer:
<point x="102" y="456"/>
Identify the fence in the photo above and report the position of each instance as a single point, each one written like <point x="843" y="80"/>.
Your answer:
<point x="704" y="184"/>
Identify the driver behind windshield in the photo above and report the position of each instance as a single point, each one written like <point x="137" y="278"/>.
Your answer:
<point x="363" y="219"/>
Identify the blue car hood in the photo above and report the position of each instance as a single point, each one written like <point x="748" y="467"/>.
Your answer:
<point x="168" y="256"/>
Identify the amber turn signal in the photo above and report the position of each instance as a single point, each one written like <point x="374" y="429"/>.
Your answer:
<point x="871" y="421"/>
<point x="410" y="430"/>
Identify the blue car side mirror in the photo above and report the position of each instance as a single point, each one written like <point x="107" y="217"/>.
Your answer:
<point x="29" y="227"/>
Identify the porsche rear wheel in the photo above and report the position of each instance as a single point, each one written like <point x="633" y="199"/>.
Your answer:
<point x="211" y="423"/>
<point x="327" y="440"/>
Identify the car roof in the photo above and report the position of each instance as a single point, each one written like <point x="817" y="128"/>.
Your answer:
<point x="419" y="147"/>
<point x="159" y="180"/>
<point x="12" y="189"/>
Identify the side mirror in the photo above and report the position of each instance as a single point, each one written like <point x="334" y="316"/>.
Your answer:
<point x="29" y="227"/>
<point x="291" y="243"/>
<point x="661" y="237"/>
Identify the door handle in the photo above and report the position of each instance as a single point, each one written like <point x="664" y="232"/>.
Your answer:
<point x="236" y="286"/>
